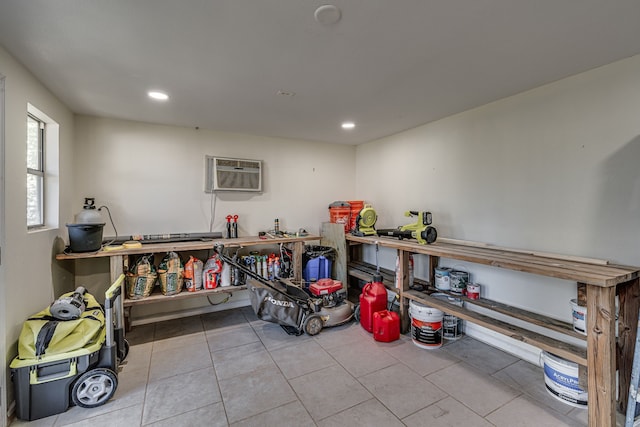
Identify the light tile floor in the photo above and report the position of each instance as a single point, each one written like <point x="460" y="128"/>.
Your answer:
<point x="232" y="369"/>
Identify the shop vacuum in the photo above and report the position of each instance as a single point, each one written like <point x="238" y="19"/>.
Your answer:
<point x="69" y="307"/>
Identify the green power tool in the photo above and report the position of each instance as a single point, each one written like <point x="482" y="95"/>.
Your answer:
<point x="365" y="221"/>
<point x="420" y="230"/>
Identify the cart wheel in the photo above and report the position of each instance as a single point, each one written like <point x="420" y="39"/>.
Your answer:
<point x="94" y="388"/>
<point x="313" y="325"/>
<point x="356" y="313"/>
<point x="124" y="350"/>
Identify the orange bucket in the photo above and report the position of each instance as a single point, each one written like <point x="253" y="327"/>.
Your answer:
<point x="340" y="213"/>
<point x="356" y="207"/>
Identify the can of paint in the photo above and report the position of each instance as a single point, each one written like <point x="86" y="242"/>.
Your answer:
<point x="473" y="291"/>
<point x="442" y="279"/>
<point x="451" y="325"/>
<point x="579" y="315"/>
<point x="459" y="280"/>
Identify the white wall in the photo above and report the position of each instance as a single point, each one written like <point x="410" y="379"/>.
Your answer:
<point x="28" y="281"/>
<point x="152" y="179"/>
<point x="552" y="169"/>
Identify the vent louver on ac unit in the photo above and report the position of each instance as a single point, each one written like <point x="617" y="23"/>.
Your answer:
<point x="224" y="174"/>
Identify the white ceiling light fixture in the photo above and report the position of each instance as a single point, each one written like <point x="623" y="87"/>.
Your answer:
<point x="157" y="95"/>
<point x="348" y="125"/>
<point x="327" y="14"/>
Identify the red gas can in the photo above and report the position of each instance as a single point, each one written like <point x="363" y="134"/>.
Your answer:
<point x="373" y="298"/>
<point x="386" y="326"/>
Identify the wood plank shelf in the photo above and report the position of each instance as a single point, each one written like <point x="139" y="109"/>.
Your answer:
<point x="363" y="271"/>
<point x="157" y="297"/>
<point x="568" y="351"/>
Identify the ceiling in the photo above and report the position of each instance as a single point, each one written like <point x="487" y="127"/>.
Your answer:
<point x="268" y="67"/>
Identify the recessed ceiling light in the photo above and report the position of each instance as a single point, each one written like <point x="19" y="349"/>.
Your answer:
<point x="348" y="125"/>
<point x="327" y="14"/>
<point x="157" y="95"/>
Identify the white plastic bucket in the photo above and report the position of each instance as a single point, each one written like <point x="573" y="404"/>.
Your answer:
<point x="579" y="315"/>
<point x="451" y="325"/>
<point x="442" y="279"/>
<point x="561" y="380"/>
<point x="426" y="325"/>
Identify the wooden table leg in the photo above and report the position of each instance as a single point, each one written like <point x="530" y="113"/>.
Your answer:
<point x="116" y="268"/>
<point x="298" y="250"/>
<point x="629" y="303"/>
<point x="403" y="273"/>
<point x="601" y="356"/>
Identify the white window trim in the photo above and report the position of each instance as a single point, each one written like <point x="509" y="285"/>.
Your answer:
<point x="51" y="196"/>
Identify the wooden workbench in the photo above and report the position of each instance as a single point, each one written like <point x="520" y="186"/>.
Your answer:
<point x="601" y="282"/>
<point x="119" y="261"/>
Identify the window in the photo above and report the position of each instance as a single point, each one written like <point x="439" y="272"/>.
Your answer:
<point x="35" y="171"/>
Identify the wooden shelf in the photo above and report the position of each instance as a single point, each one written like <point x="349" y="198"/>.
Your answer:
<point x="195" y="245"/>
<point x="568" y="351"/>
<point x="120" y="259"/>
<point x="157" y="297"/>
<point x="597" y="281"/>
<point x="363" y="271"/>
<point x="560" y="267"/>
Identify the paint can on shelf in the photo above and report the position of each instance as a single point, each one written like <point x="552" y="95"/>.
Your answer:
<point x="426" y="325"/>
<point x="451" y="325"/>
<point x="442" y="279"/>
<point x="561" y="380"/>
<point x="473" y="291"/>
<point x="459" y="280"/>
<point x="579" y="315"/>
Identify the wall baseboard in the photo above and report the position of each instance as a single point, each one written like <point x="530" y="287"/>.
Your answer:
<point x="516" y="348"/>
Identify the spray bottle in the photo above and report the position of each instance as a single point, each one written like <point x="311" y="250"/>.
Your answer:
<point x="265" y="272"/>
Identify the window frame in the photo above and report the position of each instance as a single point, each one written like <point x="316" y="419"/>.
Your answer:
<point x="40" y="173"/>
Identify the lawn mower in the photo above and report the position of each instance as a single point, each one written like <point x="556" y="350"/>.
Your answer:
<point x="420" y="230"/>
<point x="295" y="309"/>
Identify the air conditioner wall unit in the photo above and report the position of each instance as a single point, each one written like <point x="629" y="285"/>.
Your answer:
<point x="228" y="174"/>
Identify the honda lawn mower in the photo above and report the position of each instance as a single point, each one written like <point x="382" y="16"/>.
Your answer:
<point x="295" y="309"/>
<point x="421" y="230"/>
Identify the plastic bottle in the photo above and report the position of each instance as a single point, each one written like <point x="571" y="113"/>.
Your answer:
<point x="265" y="271"/>
<point x="276" y="268"/>
<point x="225" y="275"/>
<point x="270" y="268"/>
